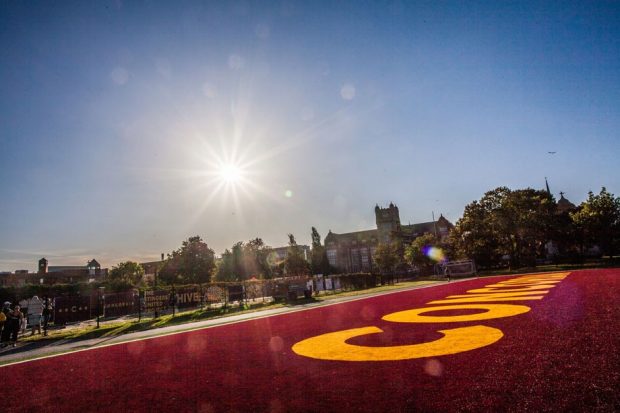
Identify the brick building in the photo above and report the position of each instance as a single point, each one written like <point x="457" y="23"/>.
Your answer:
<point x="68" y="274"/>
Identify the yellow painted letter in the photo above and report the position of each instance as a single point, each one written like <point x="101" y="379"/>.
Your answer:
<point x="492" y="311"/>
<point x="333" y="346"/>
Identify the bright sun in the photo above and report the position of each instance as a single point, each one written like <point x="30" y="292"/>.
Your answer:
<point x="230" y="173"/>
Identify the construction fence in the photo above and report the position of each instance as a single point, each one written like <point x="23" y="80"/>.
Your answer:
<point x="153" y="302"/>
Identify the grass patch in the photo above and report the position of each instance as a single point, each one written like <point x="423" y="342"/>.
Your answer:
<point x="116" y="328"/>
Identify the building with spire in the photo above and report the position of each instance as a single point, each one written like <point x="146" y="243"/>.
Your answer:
<point x="564" y="205"/>
<point x="554" y="248"/>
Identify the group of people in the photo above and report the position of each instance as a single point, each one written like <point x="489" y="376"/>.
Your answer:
<point x="13" y="320"/>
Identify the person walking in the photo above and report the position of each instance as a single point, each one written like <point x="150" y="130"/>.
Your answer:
<point x="5" y="336"/>
<point x="23" y="305"/>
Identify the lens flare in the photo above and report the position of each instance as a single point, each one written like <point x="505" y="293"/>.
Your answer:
<point x="434" y="253"/>
<point x="273" y="259"/>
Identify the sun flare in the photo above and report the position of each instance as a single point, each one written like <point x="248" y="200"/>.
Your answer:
<point x="230" y="173"/>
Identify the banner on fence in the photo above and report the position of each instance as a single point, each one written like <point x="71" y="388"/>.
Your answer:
<point x="253" y="290"/>
<point x="189" y="297"/>
<point x="156" y="300"/>
<point x="337" y="285"/>
<point x="235" y="293"/>
<point x="269" y="289"/>
<point x="119" y="304"/>
<point x="214" y="294"/>
<point x="318" y="283"/>
<point x="73" y="309"/>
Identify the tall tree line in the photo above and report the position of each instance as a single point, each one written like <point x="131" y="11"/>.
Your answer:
<point x="519" y="226"/>
<point x="503" y="227"/>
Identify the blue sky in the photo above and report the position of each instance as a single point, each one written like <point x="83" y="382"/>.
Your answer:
<point x="114" y="117"/>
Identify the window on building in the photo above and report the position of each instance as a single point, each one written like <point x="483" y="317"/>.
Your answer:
<point x="355" y="259"/>
<point x="365" y="259"/>
<point x="332" y="257"/>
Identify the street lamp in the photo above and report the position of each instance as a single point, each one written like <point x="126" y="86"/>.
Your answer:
<point x="100" y="298"/>
<point x="173" y="299"/>
<point x="138" y="299"/>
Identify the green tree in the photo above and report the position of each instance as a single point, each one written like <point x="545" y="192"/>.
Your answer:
<point x="505" y="223"/>
<point x="532" y="213"/>
<point x="238" y="261"/>
<point x="599" y="220"/>
<point x="224" y="265"/>
<point x="566" y="236"/>
<point x="386" y="257"/>
<point x="294" y="263"/>
<point x="194" y="262"/>
<point x="319" y="264"/>
<point x="127" y="272"/>
<point x="256" y="255"/>
<point x="245" y="260"/>
<point x="416" y="253"/>
<point x="472" y="237"/>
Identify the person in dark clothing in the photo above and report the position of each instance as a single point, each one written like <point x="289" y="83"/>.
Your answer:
<point x="2" y="321"/>
<point x="47" y="313"/>
<point x="13" y="322"/>
<point x="5" y="337"/>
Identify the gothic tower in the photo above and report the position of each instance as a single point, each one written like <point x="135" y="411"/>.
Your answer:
<point x="388" y="222"/>
<point x="42" y="266"/>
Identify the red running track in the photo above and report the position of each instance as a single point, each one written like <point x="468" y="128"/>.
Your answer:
<point x="563" y="355"/>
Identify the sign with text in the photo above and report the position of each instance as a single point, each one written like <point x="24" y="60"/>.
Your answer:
<point x="188" y="297"/>
<point x="156" y="300"/>
<point x="73" y="309"/>
<point x="119" y="304"/>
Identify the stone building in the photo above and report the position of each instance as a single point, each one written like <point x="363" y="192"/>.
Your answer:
<point x="280" y="253"/>
<point x="354" y="251"/>
<point x="15" y="279"/>
<point x="68" y="274"/>
<point x="151" y="269"/>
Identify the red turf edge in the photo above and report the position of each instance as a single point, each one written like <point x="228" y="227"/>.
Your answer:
<point x="563" y="355"/>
